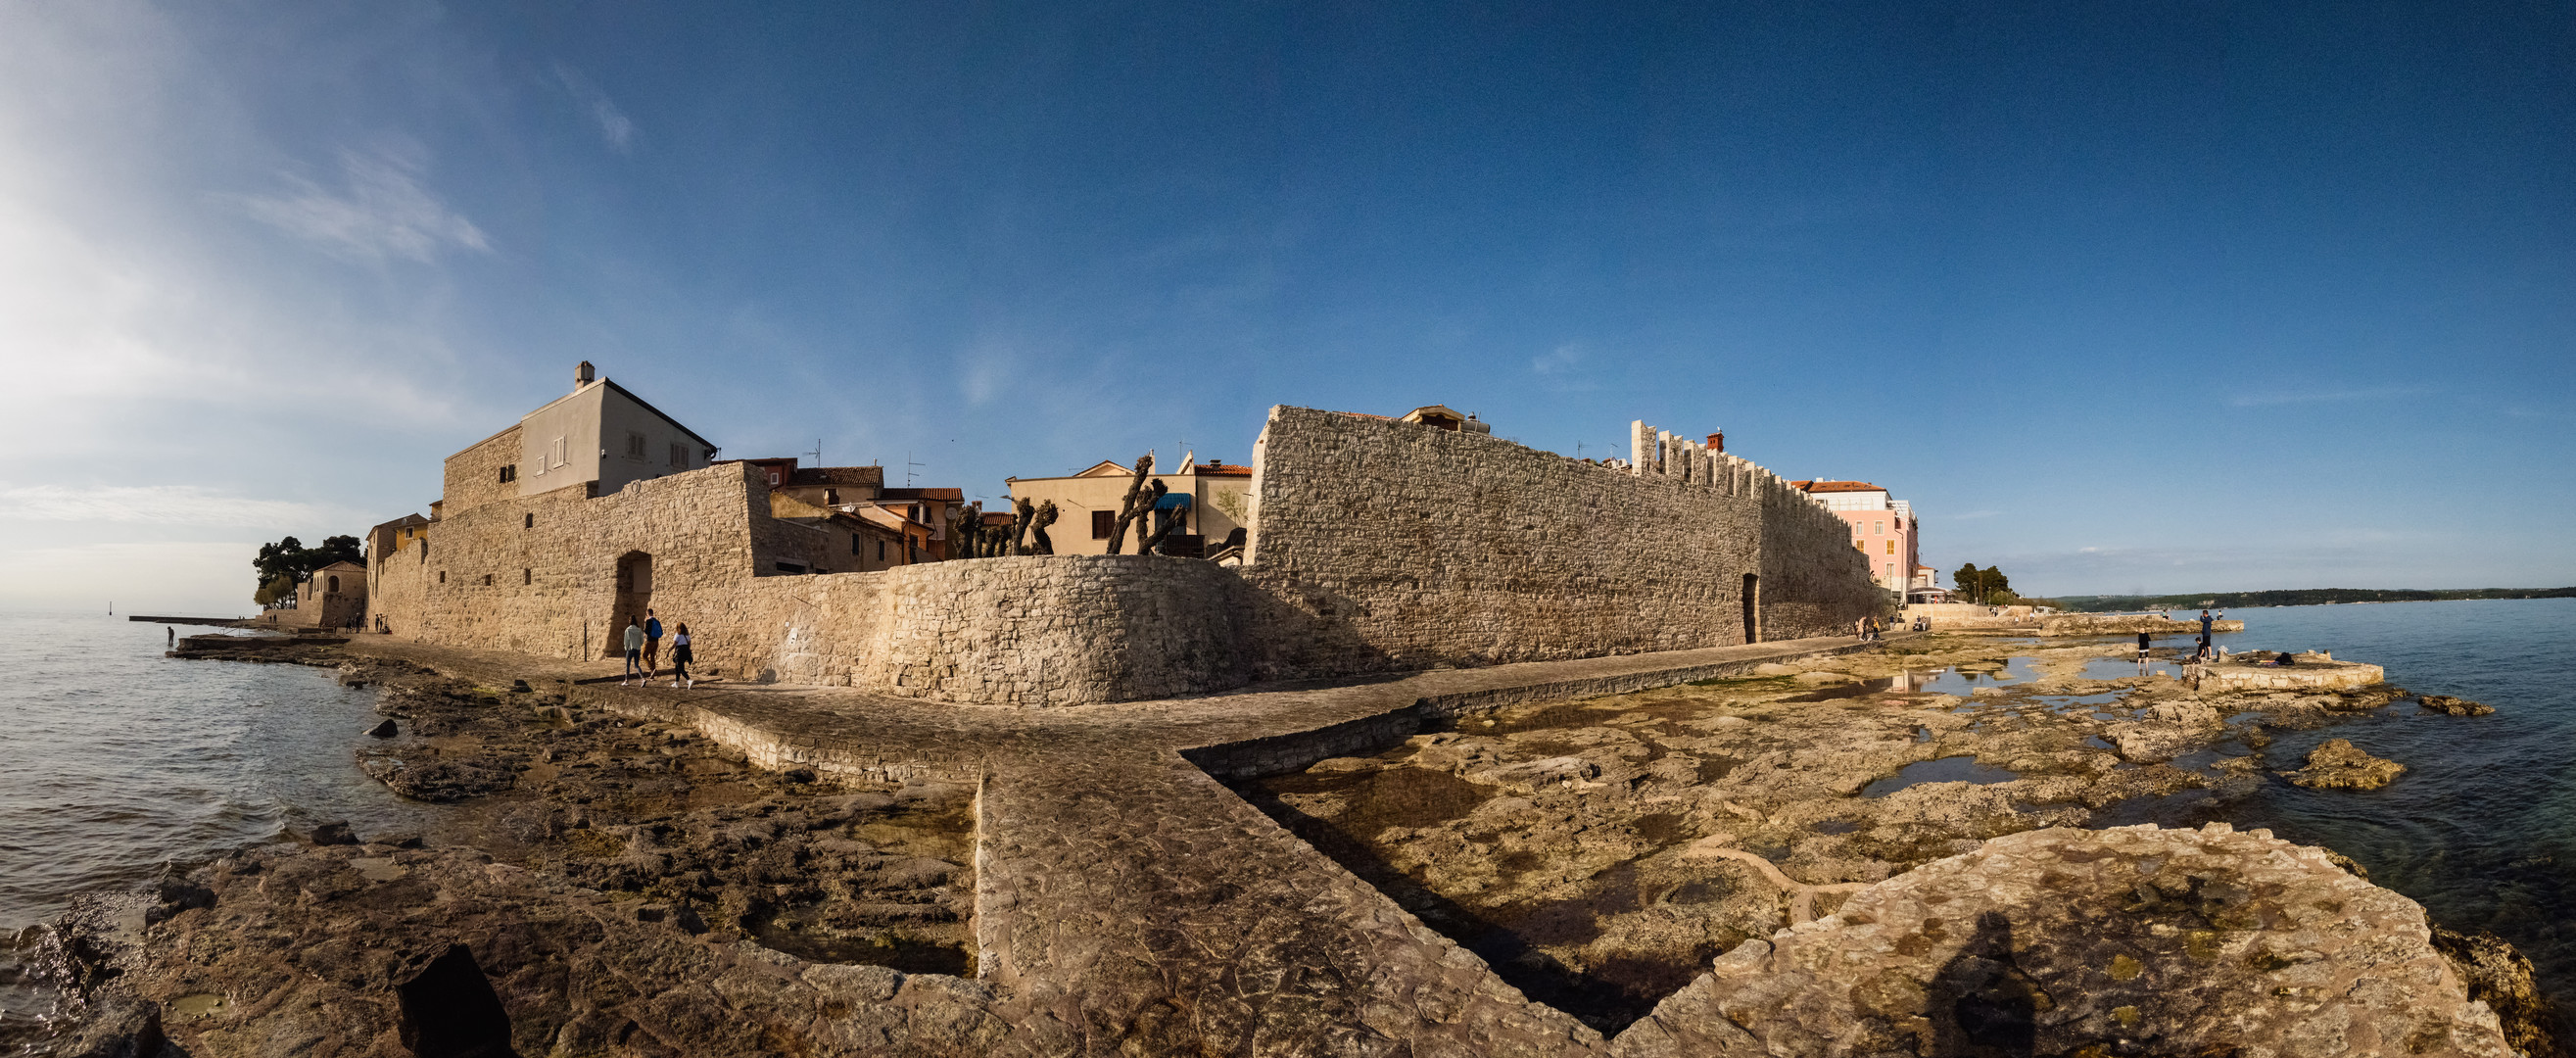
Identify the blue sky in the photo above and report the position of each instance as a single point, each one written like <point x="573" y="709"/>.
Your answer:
<point x="2121" y="297"/>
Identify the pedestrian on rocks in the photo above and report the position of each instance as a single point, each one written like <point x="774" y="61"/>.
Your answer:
<point x="680" y="658"/>
<point x="652" y="645"/>
<point x="2205" y="622"/>
<point x="2143" y="640"/>
<point x="634" y="650"/>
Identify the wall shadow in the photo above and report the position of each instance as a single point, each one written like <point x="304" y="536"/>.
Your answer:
<point x="1608" y="997"/>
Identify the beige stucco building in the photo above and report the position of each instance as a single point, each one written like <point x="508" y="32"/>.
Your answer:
<point x="1215" y="500"/>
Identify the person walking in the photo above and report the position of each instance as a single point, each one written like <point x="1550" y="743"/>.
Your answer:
<point x="652" y="645"/>
<point x="680" y="658"/>
<point x="634" y="650"/>
<point x="2205" y="621"/>
<point x="2144" y="639"/>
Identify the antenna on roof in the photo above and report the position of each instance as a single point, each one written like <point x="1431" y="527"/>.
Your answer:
<point x="908" y="464"/>
<point x="817" y="453"/>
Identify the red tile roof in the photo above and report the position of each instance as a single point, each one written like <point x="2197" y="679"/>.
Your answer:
<point x="1837" y="486"/>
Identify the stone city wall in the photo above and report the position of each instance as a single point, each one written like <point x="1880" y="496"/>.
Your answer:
<point x="540" y="575"/>
<point x="1382" y="545"/>
<point x="473" y="476"/>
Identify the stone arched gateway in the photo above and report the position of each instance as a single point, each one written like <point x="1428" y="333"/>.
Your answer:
<point x="634" y="595"/>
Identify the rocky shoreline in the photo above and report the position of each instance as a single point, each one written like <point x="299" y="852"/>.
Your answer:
<point x="626" y="886"/>
<point x="1658" y="863"/>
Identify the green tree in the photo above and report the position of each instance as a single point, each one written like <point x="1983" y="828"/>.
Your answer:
<point x="273" y="589"/>
<point x="1986" y="586"/>
<point x="291" y="561"/>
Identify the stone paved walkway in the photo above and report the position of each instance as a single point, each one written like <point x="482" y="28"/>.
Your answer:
<point x="1128" y="902"/>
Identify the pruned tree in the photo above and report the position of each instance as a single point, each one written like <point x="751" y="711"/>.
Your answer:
<point x="1021" y="514"/>
<point x="1165" y="522"/>
<point x="1046" y="516"/>
<point x="1127" y="512"/>
<point x="1146" y="505"/>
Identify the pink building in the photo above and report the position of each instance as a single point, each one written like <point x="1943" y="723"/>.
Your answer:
<point x="1882" y="529"/>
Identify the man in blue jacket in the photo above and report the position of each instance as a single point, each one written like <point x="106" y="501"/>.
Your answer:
<point x="652" y="645"/>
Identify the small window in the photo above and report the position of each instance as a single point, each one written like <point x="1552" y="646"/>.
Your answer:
<point x="1878" y="528"/>
<point x="559" y="452"/>
<point x="854" y="544"/>
<point x="509" y="473"/>
<point x="791" y="567"/>
<point x="880" y="550"/>
<point x="334" y="583"/>
<point x="773" y="477"/>
<point x="831" y="497"/>
<point x="527" y="576"/>
<point x="442" y="576"/>
<point x="1891" y="548"/>
<point x="487" y="580"/>
<point x="1102" y="522"/>
<point x="679" y="457"/>
<point x="634" y="445"/>
<point x="531" y="521"/>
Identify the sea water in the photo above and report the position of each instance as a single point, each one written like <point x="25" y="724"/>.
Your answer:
<point x="116" y="761"/>
<point x="2481" y="829"/>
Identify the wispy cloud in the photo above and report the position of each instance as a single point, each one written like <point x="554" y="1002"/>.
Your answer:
<point x="2264" y="400"/>
<point x="1558" y="361"/>
<point x="156" y="504"/>
<point x="382" y="211"/>
<point x="614" y="126"/>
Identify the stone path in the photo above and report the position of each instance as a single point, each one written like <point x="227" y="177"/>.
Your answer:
<point x="1128" y="902"/>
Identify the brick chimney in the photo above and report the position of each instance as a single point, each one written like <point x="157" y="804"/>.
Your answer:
<point x="1717" y="441"/>
<point x="583" y="376"/>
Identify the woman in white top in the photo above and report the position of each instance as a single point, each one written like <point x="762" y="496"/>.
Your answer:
<point x="680" y="658"/>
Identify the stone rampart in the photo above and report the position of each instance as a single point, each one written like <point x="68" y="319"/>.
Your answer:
<point x="473" y="476"/>
<point x="1383" y="545"/>
<point x="542" y="575"/>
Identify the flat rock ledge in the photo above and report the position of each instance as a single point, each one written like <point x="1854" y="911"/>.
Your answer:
<point x="2340" y="765"/>
<point x="2135" y="940"/>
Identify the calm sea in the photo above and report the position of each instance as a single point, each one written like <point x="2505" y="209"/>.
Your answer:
<point x="2482" y="827"/>
<point x="115" y="761"/>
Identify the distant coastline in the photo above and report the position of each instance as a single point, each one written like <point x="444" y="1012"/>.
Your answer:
<point x="2297" y="597"/>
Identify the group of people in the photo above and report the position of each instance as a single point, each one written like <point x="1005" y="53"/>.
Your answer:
<point x="644" y="650"/>
<point x="1871" y="629"/>
<point x="2203" y="652"/>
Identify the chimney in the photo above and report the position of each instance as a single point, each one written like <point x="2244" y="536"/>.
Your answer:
<point x="583" y="376"/>
<point x="1717" y="441"/>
